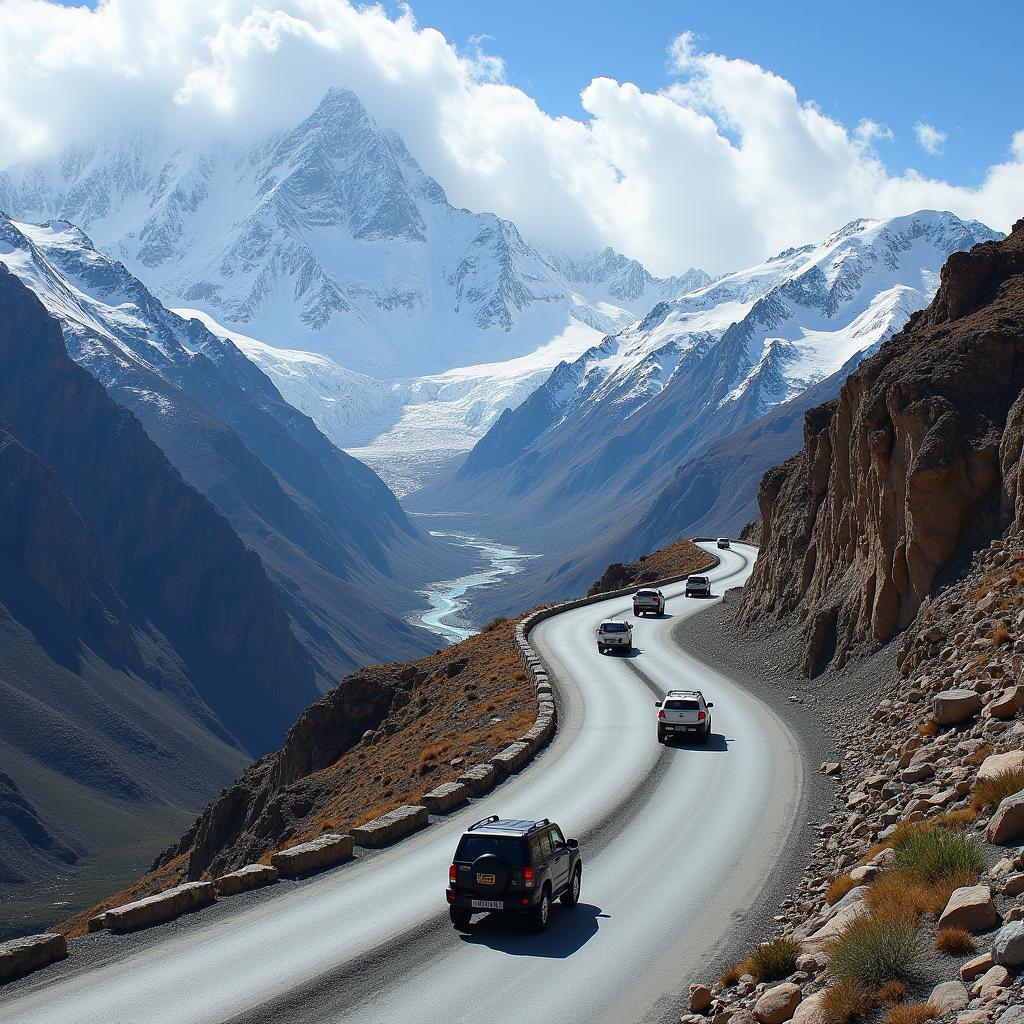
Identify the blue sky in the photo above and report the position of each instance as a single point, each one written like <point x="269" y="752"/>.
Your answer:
<point x="955" y="66"/>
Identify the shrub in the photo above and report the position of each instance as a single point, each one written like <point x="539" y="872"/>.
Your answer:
<point x="773" y="960"/>
<point x="494" y="623"/>
<point x="911" y="1013"/>
<point x="1000" y="634"/>
<point x="846" y="1002"/>
<point x="956" y="820"/>
<point x="730" y="976"/>
<point x="893" y="992"/>
<point x="894" y="893"/>
<point x="875" y="949"/>
<point x="954" y="940"/>
<point x="839" y="888"/>
<point x="932" y="855"/>
<point x="989" y="792"/>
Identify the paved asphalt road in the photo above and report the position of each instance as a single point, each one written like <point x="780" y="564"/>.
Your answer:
<point x="677" y="842"/>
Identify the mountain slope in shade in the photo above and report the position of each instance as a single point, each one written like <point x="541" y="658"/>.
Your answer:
<point x="328" y="530"/>
<point x="144" y="654"/>
<point x="604" y="434"/>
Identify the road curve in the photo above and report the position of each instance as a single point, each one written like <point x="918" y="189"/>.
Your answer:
<point x="677" y="842"/>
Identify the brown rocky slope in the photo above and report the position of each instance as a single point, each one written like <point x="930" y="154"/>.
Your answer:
<point x="914" y="466"/>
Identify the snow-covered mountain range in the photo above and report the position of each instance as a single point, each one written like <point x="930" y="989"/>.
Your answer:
<point x="607" y="430"/>
<point x="329" y="532"/>
<point x="398" y="322"/>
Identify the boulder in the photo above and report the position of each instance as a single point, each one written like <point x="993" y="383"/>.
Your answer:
<point x="949" y="997"/>
<point x="323" y="852"/>
<point x="1006" y="704"/>
<point x="161" y="907"/>
<point x="970" y="907"/>
<point x="1011" y="1015"/>
<point x="1008" y="947"/>
<point x="1013" y="885"/>
<point x="995" y="977"/>
<point x="996" y="764"/>
<point x="975" y="966"/>
<point x="19" y="956"/>
<point x="809" y="1011"/>
<point x="391" y="826"/>
<point x="700" y="998"/>
<point x="951" y="707"/>
<point x="445" y="797"/>
<point x="1007" y="824"/>
<point x="252" y="876"/>
<point x="778" y="1004"/>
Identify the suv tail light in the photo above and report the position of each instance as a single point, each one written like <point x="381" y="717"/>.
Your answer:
<point x="451" y="875"/>
<point x="701" y="716"/>
<point x="661" y="714"/>
<point x="529" y="881"/>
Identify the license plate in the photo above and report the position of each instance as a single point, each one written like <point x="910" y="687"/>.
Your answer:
<point x="486" y="904"/>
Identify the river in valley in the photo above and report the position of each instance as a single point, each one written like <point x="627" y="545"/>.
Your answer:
<point x="449" y="599"/>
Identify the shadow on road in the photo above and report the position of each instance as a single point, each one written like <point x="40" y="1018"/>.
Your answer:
<point x="716" y="743"/>
<point x="568" y="930"/>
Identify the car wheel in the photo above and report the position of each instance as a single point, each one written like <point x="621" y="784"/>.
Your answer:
<point x="706" y="734"/>
<point x="460" y="916"/>
<point x="600" y="648"/>
<point x="661" y="735"/>
<point x="542" y="911"/>
<point x="571" y="896"/>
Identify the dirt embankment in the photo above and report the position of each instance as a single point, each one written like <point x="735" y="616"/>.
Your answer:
<point x="678" y="559"/>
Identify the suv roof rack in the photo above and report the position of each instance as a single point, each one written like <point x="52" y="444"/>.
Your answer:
<point x="543" y="823"/>
<point x="483" y="821"/>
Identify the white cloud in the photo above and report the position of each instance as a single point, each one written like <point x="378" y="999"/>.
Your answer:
<point x="724" y="166"/>
<point x="930" y="138"/>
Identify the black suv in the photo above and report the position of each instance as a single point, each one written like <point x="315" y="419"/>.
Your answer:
<point x="503" y="864"/>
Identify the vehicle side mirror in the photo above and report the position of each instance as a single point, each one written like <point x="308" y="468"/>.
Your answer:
<point x="573" y="844"/>
<point x="657" y="703"/>
<point x="711" y="703"/>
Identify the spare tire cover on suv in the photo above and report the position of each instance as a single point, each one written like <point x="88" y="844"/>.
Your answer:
<point x="490" y="874"/>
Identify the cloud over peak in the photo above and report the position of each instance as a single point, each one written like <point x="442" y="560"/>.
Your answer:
<point x="725" y="165"/>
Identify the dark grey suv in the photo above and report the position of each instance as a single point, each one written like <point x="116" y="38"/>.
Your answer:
<point x="512" y="866"/>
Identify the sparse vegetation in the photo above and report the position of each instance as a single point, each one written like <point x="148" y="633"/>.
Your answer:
<point x="958" y="941"/>
<point x="929" y="727"/>
<point x="499" y="620"/>
<point x="1000" y="634"/>
<point x="730" y="976"/>
<point x="989" y="792"/>
<point x="847" y="1002"/>
<point x="936" y="856"/>
<point x="839" y="888"/>
<point x="896" y="892"/>
<point x="875" y="949"/>
<point x="908" y="1013"/>
<point x="985" y="750"/>
<point x="893" y="992"/>
<point x="773" y="960"/>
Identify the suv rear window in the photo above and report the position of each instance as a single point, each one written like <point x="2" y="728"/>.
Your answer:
<point x="511" y="848"/>
<point x="698" y="579"/>
<point x="682" y="705"/>
<point x="646" y="593"/>
<point x="613" y="627"/>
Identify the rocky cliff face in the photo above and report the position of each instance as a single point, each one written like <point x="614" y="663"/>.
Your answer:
<point x="913" y="467"/>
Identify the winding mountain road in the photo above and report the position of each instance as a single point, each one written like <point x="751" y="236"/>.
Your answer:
<point x="677" y="843"/>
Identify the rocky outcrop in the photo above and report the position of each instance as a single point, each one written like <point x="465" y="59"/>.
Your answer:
<point x="916" y="464"/>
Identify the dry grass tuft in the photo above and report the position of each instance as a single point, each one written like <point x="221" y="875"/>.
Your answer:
<point x="958" y="941"/>
<point x="847" y="1002"/>
<point x="929" y="727"/>
<point x="1000" y="634"/>
<point x="839" y="888"/>
<point x="499" y="620"/>
<point x="896" y="893"/>
<point x="875" y="949"/>
<point x="773" y="960"/>
<point x="985" y="750"/>
<point x="730" y="976"/>
<point x="893" y="992"/>
<point x="956" y="820"/>
<point x="909" y="1013"/>
<point x="989" y="792"/>
<point x="936" y="856"/>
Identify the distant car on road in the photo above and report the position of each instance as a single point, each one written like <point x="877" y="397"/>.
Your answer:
<point x="684" y="713"/>
<point x="698" y="586"/>
<point x="647" y="599"/>
<point x="508" y="865"/>
<point x="613" y="634"/>
<point x="723" y="542"/>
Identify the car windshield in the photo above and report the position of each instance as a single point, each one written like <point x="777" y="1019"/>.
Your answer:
<point x="614" y="627"/>
<point x="510" y="848"/>
<point x="682" y="705"/>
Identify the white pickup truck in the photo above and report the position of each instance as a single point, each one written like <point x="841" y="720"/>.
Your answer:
<point x="684" y="713"/>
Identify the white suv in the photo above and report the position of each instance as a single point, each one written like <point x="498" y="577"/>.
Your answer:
<point x="684" y="713"/>
<point x="698" y="585"/>
<point x="648" y="599"/>
<point x="614" y="634"/>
